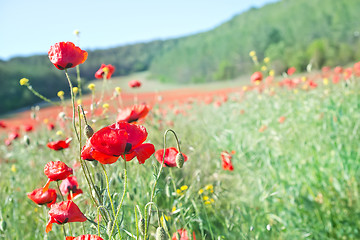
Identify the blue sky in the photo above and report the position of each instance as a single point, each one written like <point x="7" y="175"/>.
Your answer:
<point x="31" y="27"/>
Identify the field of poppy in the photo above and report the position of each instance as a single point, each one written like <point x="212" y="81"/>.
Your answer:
<point x="276" y="158"/>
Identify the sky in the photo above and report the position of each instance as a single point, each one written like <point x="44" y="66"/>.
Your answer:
<point x="30" y="27"/>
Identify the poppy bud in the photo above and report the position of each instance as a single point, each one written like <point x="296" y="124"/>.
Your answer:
<point x="3" y="226"/>
<point x="88" y="131"/>
<point x="27" y="140"/>
<point x="141" y="225"/>
<point x="179" y="160"/>
<point x="160" y="234"/>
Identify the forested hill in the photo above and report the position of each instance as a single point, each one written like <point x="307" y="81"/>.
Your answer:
<point x="290" y="32"/>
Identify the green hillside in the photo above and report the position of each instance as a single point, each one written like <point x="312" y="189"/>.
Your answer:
<point x="290" y="32"/>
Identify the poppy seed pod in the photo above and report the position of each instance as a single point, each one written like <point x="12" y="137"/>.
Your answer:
<point x="88" y="131"/>
<point x="160" y="234"/>
<point x="179" y="160"/>
<point x="141" y="225"/>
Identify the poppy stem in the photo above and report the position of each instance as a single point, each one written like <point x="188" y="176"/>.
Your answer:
<point x="73" y="104"/>
<point x="41" y="96"/>
<point x="122" y="198"/>
<point x="79" y="81"/>
<point x="111" y="201"/>
<point x="147" y="220"/>
<point x="62" y="197"/>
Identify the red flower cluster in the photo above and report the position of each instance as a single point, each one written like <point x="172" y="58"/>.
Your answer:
<point x="170" y="156"/>
<point x="40" y="197"/>
<point x="64" y="212"/>
<point x="134" y="84"/>
<point x="226" y="161"/>
<point x="100" y="73"/>
<point x="66" y="55"/>
<point x="59" y="145"/>
<point x="134" y="113"/>
<point x="119" y="139"/>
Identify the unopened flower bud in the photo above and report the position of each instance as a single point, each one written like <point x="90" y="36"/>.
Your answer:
<point x="3" y="225"/>
<point x="27" y="140"/>
<point x="141" y="225"/>
<point x="160" y="234"/>
<point x="179" y="160"/>
<point x="88" y="131"/>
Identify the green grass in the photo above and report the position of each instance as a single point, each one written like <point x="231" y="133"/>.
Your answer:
<point x="295" y="180"/>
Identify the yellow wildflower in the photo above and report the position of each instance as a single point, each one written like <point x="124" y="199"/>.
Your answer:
<point x="244" y="88"/>
<point x="173" y="209"/>
<point x="76" y="32"/>
<point x="184" y="188"/>
<point x="326" y="81"/>
<point x="13" y="168"/>
<point x="91" y="86"/>
<point x="60" y="94"/>
<point x="178" y="191"/>
<point x="303" y="79"/>
<point x="201" y="191"/>
<point x="209" y="187"/>
<point x="59" y="133"/>
<point x="118" y="89"/>
<point x="79" y="102"/>
<point x="207" y="202"/>
<point x="205" y="198"/>
<point x="252" y="53"/>
<point x="75" y="90"/>
<point x="263" y="68"/>
<point x="266" y="60"/>
<point x="24" y="81"/>
<point x="106" y="105"/>
<point x="271" y="73"/>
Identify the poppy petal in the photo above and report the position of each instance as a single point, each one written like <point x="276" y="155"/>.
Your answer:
<point x="110" y="141"/>
<point x="144" y="151"/>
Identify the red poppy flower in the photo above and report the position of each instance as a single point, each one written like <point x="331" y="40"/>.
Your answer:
<point x="134" y="113"/>
<point x="40" y="197"/>
<point x="256" y="77"/>
<point x="226" y="161"/>
<point x="59" y="145"/>
<point x="281" y="119"/>
<point x="64" y="212"/>
<point x="312" y="84"/>
<point x="170" y="156"/>
<point x="13" y="136"/>
<point x="348" y="73"/>
<point x="50" y="126"/>
<point x="118" y="139"/>
<point x="183" y="235"/>
<point x="66" y="55"/>
<point x="291" y="71"/>
<point x="338" y="70"/>
<point x="100" y="73"/>
<point x="56" y="171"/>
<point x="70" y="186"/>
<point x="28" y="128"/>
<point x="2" y="124"/>
<point x="336" y="79"/>
<point x="85" y="237"/>
<point x="134" y="84"/>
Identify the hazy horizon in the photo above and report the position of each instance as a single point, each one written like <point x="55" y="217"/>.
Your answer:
<point x="32" y="29"/>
